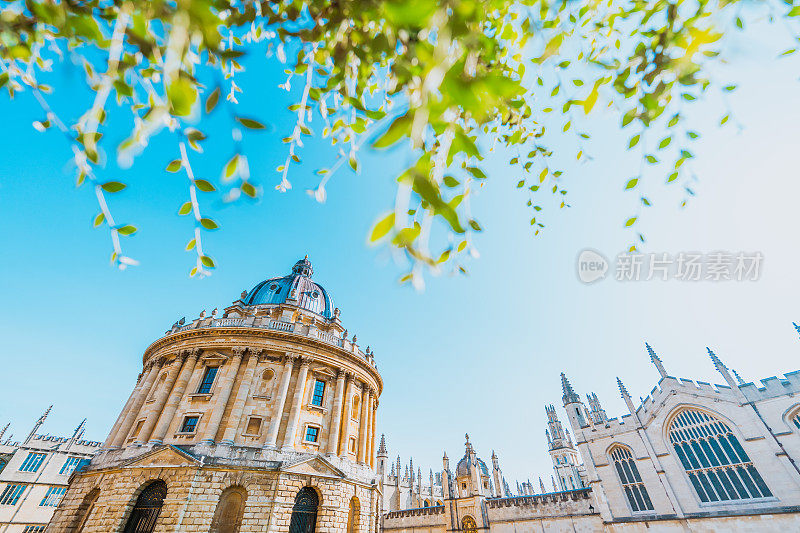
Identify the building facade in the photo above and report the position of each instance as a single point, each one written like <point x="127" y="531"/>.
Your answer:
<point x="690" y="457"/>
<point x="34" y="474"/>
<point x="261" y="419"/>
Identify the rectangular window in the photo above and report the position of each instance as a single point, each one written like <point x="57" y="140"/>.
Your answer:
<point x="69" y="466"/>
<point x="319" y="393"/>
<point x="208" y="380"/>
<point x="137" y="429"/>
<point x="53" y="496"/>
<point x="352" y="445"/>
<point x="253" y="426"/>
<point x="189" y="424"/>
<point x="32" y="462"/>
<point x="312" y="433"/>
<point x="11" y="494"/>
<point x="34" y="529"/>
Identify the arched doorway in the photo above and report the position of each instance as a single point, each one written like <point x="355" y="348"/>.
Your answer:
<point x="353" y="517"/>
<point x="304" y="512"/>
<point x="85" y="510"/>
<point x="468" y="525"/>
<point x="230" y="510"/>
<point x="147" y="508"/>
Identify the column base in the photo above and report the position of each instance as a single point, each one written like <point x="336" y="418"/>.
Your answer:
<point x="155" y="442"/>
<point x="207" y="442"/>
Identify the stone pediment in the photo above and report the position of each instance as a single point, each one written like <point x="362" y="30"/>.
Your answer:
<point x="163" y="456"/>
<point x="313" y="466"/>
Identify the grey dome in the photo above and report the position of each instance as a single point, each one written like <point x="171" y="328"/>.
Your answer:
<point x="297" y="288"/>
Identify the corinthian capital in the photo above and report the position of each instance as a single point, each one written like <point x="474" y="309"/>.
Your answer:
<point x="238" y="351"/>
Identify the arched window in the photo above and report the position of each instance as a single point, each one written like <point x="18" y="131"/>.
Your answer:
<point x="147" y="508"/>
<point x="427" y="503"/>
<point x="230" y="509"/>
<point x="304" y="512"/>
<point x="354" y="515"/>
<point x="468" y="525"/>
<point x="354" y="412"/>
<point x="631" y="481"/>
<point x="794" y="419"/>
<point x="85" y="510"/>
<point x="717" y="465"/>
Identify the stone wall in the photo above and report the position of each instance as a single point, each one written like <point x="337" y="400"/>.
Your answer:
<point x="193" y="494"/>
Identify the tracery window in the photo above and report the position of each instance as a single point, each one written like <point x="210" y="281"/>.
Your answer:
<point x="145" y="511"/>
<point x="717" y="465"/>
<point x="32" y="462"/>
<point x="632" y="484"/>
<point x="468" y="525"/>
<point x="796" y="419"/>
<point x="69" y="465"/>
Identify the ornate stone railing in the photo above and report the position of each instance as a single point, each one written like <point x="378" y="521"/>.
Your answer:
<point x="296" y="328"/>
<point x="536" y="499"/>
<point x="420" y="511"/>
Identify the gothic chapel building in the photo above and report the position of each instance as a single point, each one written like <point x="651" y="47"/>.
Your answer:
<point x="261" y="419"/>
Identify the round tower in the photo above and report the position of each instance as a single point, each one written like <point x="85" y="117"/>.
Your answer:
<point x="258" y="419"/>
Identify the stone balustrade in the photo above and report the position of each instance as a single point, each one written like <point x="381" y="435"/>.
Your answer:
<point x="420" y="511"/>
<point x="295" y="328"/>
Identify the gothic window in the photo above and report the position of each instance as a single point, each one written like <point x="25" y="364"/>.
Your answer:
<point x="32" y="462"/>
<point x="208" y="380"/>
<point x="795" y="419"/>
<point x="189" y="424"/>
<point x="717" y="465"/>
<point x="468" y="525"/>
<point x="53" y="496"/>
<point x="11" y="494"/>
<point x="85" y="510"/>
<point x="69" y="465"/>
<point x="632" y="484"/>
<point x="230" y="510"/>
<point x="319" y="393"/>
<point x="147" y="508"/>
<point x="304" y="512"/>
<point x="353" y="515"/>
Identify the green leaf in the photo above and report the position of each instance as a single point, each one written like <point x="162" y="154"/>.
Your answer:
<point x="630" y="222"/>
<point x="664" y="143"/>
<point x="476" y="173"/>
<point x="191" y="244"/>
<point x="474" y="225"/>
<point x="230" y="167"/>
<point x="207" y="262"/>
<point x="211" y="101"/>
<point x="634" y="141"/>
<point x="127" y="230"/>
<point x="174" y="165"/>
<point x="729" y="88"/>
<point x="99" y="219"/>
<point x="672" y="177"/>
<point x="250" y="123"/>
<point x="185" y="209"/>
<point x="249" y="189"/>
<point x="113" y="186"/>
<point x="451" y="182"/>
<point x="208" y="223"/>
<point x="651" y="159"/>
<point x="631" y="183"/>
<point x="382" y="227"/>
<point x="182" y="94"/>
<point x="204" y="185"/>
<point x="400" y="127"/>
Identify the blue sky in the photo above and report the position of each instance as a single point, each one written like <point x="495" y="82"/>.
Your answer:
<point x="478" y="354"/>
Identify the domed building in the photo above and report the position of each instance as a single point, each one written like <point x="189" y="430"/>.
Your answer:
<point x="260" y="419"/>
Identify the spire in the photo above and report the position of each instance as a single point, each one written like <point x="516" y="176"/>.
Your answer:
<point x="3" y="431"/>
<point x="722" y="369"/>
<point x="656" y="361"/>
<point x="382" y="447"/>
<point x="445" y="462"/>
<point x="625" y="396"/>
<point x="38" y="424"/>
<point x="569" y="394"/>
<point x="738" y="377"/>
<point x="796" y="327"/>
<point x="468" y="445"/>
<point x="541" y="485"/>
<point x="553" y="481"/>
<point x="598" y="414"/>
<point x="78" y="433"/>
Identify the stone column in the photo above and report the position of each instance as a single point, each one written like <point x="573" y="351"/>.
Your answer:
<point x="131" y="399"/>
<point x="241" y="399"/>
<point x="348" y="406"/>
<point x="283" y="389"/>
<point x="224" y="391"/>
<point x="168" y="413"/>
<point x="336" y="415"/>
<point x="159" y="400"/>
<point x="297" y="405"/>
<point x="133" y="413"/>
<point x="363" y="424"/>
<point x="374" y="416"/>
